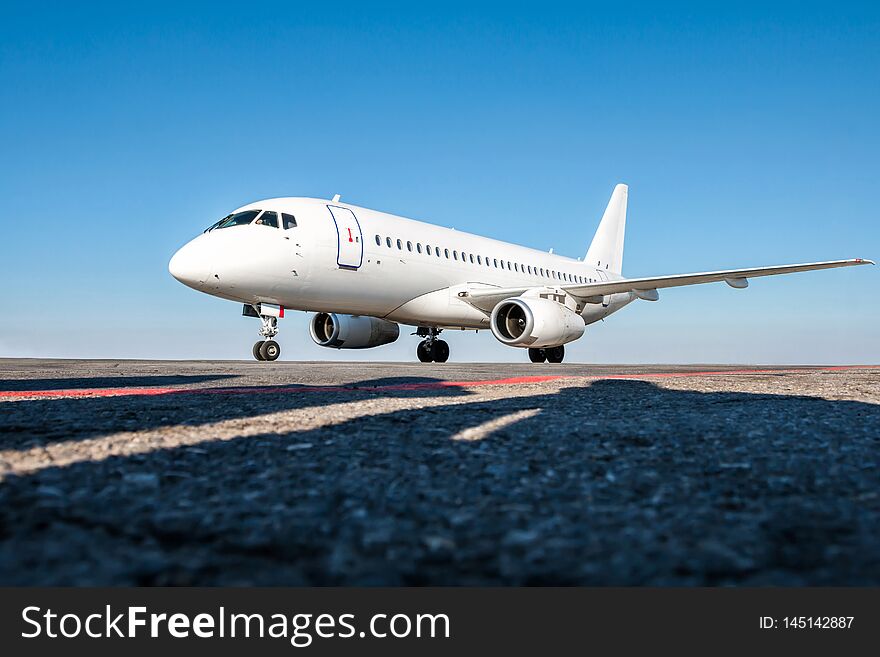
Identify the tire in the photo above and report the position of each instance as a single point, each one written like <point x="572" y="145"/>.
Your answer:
<point x="555" y="354"/>
<point x="270" y="350"/>
<point x="441" y="351"/>
<point x="423" y="351"/>
<point x="256" y="350"/>
<point x="537" y="355"/>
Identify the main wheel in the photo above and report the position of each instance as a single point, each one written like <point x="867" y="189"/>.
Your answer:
<point x="423" y="351"/>
<point x="537" y="355"/>
<point x="270" y="350"/>
<point x="256" y="350"/>
<point x="555" y="354"/>
<point x="441" y="351"/>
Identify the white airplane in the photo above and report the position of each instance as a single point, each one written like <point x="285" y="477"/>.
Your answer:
<point x="363" y="273"/>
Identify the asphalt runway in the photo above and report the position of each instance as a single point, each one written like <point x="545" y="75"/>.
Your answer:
<point x="246" y="473"/>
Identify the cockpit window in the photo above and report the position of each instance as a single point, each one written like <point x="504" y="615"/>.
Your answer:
<point x="237" y="219"/>
<point x="288" y="221"/>
<point x="268" y="219"/>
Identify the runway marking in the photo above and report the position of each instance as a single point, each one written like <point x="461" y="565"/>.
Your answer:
<point x="125" y="392"/>
<point x="394" y="387"/>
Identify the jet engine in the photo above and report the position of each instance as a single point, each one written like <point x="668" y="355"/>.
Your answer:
<point x="535" y="322"/>
<point x="351" y="331"/>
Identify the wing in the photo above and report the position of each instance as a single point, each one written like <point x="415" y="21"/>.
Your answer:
<point x="646" y="288"/>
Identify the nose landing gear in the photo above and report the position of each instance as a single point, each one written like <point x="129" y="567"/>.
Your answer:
<point x="431" y="349"/>
<point x="267" y="349"/>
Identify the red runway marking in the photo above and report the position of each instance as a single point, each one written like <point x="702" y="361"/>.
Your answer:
<point x="428" y="385"/>
<point x="122" y="392"/>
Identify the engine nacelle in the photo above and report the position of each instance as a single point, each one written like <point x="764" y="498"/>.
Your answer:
<point x="535" y="322"/>
<point x="351" y="331"/>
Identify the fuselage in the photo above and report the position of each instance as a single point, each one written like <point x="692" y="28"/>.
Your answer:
<point x="341" y="258"/>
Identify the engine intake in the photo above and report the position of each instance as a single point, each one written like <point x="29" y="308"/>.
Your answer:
<point x="351" y="331"/>
<point x="535" y="322"/>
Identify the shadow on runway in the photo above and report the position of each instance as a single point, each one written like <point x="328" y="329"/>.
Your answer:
<point x="614" y="483"/>
<point x="31" y="423"/>
<point x="80" y="383"/>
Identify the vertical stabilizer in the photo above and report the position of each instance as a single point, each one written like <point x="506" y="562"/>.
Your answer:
<point x="606" y="250"/>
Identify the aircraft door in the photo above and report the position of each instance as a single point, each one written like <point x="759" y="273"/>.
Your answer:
<point x="350" y="252"/>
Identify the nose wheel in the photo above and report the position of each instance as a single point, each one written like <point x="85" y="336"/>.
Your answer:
<point x="267" y="348"/>
<point x="431" y="349"/>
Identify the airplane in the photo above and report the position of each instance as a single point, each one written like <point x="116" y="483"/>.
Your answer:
<point x="363" y="273"/>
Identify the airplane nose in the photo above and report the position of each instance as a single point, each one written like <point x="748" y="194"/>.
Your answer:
<point x="190" y="264"/>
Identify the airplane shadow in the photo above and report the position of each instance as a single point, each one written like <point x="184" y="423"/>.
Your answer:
<point x="614" y="483"/>
<point x="79" y="383"/>
<point x="29" y="423"/>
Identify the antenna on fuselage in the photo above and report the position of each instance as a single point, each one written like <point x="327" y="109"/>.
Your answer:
<point x="336" y="198"/>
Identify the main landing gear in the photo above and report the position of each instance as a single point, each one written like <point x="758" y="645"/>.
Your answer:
<point x="267" y="349"/>
<point x="550" y="354"/>
<point x="431" y="349"/>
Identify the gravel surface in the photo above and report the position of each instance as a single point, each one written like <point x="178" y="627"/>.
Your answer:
<point x="382" y="474"/>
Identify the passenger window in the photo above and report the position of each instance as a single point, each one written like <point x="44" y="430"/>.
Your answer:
<point x="378" y="241"/>
<point x="446" y="251"/>
<point x="399" y="244"/>
<point x="437" y="251"/>
<point x="409" y="246"/>
<point x="479" y="260"/>
<point x="495" y="262"/>
<point x="419" y="247"/>
<point x="388" y="242"/>
<point x="471" y="256"/>
<point x="289" y="221"/>
<point x="455" y="254"/>
<point x="428" y="249"/>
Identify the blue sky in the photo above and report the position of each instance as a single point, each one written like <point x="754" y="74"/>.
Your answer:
<point x="748" y="135"/>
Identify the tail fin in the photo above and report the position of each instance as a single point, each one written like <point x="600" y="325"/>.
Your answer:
<point x="606" y="250"/>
